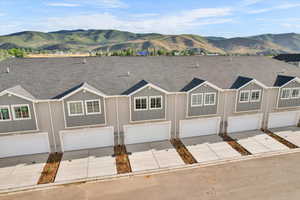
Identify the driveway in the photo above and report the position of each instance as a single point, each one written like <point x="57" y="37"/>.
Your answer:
<point x="21" y="171"/>
<point x="291" y="134"/>
<point x="208" y="148"/>
<point x="257" y="142"/>
<point x="153" y="155"/>
<point x="86" y="163"/>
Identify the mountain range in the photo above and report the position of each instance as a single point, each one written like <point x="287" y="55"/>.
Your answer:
<point x="91" y="40"/>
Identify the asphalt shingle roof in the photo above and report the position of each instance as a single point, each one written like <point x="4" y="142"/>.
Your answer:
<point x="46" y="78"/>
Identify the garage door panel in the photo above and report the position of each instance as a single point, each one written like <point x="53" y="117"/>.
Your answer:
<point x="87" y="138"/>
<point x="199" y="127"/>
<point x="149" y="132"/>
<point x="282" y="119"/>
<point x="24" y="144"/>
<point x="244" y="123"/>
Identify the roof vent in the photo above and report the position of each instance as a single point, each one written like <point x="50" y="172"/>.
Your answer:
<point x="128" y="73"/>
<point x="7" y="70"/>
<point x="84" y="61"/>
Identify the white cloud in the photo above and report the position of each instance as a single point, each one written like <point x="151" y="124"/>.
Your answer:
<point x="101" y="3"/>
<point x="251" y="2"/>
<point x="63" y="4"/>
<point x="170" y="24"/>
<point x="280" y="7"/>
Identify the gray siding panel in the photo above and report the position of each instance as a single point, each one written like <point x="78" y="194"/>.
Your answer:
<point x="148" y="114"/>
<point x="283" y="103"/>
<point x="249" y="106"/>
<point x="17" y="125"/>
<point x="203" y="110"/>
<point x="84" y="120"/>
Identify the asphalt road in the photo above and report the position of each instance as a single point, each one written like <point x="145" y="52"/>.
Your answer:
<point x="273" y="178"/>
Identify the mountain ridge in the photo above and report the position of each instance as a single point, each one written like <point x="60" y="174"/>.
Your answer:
<point x="114" y="40"/>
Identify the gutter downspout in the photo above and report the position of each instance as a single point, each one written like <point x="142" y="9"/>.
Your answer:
<point x="118" y="123"/>
<point x="224" y="115"/>
<point x="52" y="126"/>
<point x="265" y="123"/>
<point x="175" y="116"/>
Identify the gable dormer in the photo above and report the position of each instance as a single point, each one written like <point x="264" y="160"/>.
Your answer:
<point x="289" y="91"/>
<point x="249" y="94"/>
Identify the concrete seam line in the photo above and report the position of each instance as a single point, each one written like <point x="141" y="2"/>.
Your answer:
<point x="146" y="172"/>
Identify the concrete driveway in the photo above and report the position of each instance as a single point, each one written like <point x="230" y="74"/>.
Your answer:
<point x="257" y="142"/>
<point x="153" y="155"/>
<point x="208" y="148"/>
<point x="291" y="134"/>
<point x="86" y="163"/>
<point x="21" y="171"/>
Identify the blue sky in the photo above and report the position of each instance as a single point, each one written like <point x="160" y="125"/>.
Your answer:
<point x="228" y="18"/>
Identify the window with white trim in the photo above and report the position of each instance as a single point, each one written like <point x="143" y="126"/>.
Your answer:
<point x="255" y="95"/>
<point x="140" y="103"/>
<point x="92" y="107"/>
<point x="295" y="93"/>
<point x="4" y="113"/>
<point x="244" y="96"/>
<point x="285" y="93"/>
<point x="197" y="99"/>
<point x="155" y="102"/>
<point x="209" y="99"/>
<point x="21" y="112"/>
<point x="75" y="108"/>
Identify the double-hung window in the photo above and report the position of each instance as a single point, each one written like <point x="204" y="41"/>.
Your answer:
<point x="75" y="108"/>
<point x="155" y="102"/>
<point x="140" y="103"/>
<point x="244" y="96"/>
<point x="255" y="95"/>
<point x="209" y="99"/>
<point x="21" y="112"/>
<point x="197" y="99"/>
<point x="4" y="113"/>
<point x="93" y="107"/>
<point x="295" y="94"/>
<point x="285" y="93"/>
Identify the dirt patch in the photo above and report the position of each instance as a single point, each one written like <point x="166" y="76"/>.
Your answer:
<point x="184" y="153"/>
<point x="122" y="160"/>
<point x="50" y="169"/>
<point x="234" y="144"/>
<point x="280" y="139"/>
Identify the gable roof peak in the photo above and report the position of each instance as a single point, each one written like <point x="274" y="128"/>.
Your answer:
<point x="192" y="84"/>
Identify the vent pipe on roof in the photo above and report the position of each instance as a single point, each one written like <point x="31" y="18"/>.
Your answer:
<point x="7" y="70"/>
<point x="128" y="73"/>
<point x="84" y="60"/>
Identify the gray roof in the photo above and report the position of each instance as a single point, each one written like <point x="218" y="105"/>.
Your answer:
<point x="46" y="78"/>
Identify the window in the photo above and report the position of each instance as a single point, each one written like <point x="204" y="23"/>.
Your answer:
<point x="140" y="103"/>
<point x="4" y="113"/>
<point x="285" y="93"/>
<point x="295" y="93"/>
<point x="155" y="102"/>
<point x="197" y="100"/>
<point x="210" y="99"/>
<point x="75" y="108"/>
<point x="244" y="96"/>
<point x="21" y="112"/>
<point x="92" y="107"/>
<point x="255" y="95"/>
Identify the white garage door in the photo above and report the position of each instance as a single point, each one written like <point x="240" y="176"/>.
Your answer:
<point x="244" y="123"/>
<point x="87" y="138"/>
<point x="16" y="145"/>
<point x="282" y="119"/>
<point x="149" y="132"/>
<point x="198" y="127"/>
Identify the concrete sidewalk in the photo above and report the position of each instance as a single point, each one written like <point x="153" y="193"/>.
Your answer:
<point x="291" y="134"/>
<point x="267" y="178"/>
<point x="21" y="171"/>
<point x="86" y="163"/>
<point x="208" y="148"/>
<point x="257" y="142"/>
